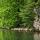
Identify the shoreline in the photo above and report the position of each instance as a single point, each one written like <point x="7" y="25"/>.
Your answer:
<point x="20" y="29"/>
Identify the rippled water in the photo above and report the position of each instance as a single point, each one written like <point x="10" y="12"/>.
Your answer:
<point x="15" y="35"/>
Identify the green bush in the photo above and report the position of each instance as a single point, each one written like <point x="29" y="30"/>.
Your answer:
<point x="15" y="13"/>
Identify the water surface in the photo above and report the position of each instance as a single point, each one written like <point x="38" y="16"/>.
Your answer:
<point x="16" y="35"/>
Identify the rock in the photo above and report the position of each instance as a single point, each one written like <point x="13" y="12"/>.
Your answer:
<point x="36" y="23"/>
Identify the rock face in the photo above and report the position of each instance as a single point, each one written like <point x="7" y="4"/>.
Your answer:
<point x="36" y="23"/>
<point x="37" y="11"/>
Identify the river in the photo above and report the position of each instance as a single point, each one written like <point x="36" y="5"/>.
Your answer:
<point x="17" y="35"/>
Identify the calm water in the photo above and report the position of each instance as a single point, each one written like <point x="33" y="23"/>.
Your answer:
<point x="15" y="35"/>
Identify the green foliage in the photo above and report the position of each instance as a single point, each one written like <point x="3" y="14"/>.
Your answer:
<point x="7" y="13"/>
<point x="26" y="13"/>
<point x="15" y="13"/>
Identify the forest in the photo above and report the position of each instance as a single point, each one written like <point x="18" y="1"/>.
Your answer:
<point x="17" y="13"/>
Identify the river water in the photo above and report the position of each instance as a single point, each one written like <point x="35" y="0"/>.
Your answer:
<point x="17" y="35"/>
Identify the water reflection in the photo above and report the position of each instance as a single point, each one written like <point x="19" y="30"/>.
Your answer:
<point x="24" y="36"/>
<point x="15" y="35"/>
<point x="37" y="36"/>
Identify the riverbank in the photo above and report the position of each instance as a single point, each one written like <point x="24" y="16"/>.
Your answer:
<point x="20" y="29"/>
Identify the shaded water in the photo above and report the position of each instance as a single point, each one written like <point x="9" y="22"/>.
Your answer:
<point x="15" y="35"/>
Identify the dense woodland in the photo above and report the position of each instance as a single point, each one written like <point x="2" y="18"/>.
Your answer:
<point x="17" y="13"/>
